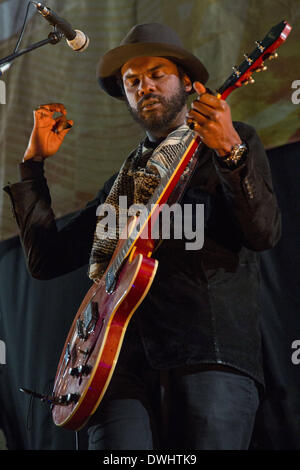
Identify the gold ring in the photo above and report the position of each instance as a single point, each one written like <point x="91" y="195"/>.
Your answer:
<point x="192" y="124"/>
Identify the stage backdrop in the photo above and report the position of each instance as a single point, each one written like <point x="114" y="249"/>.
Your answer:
<point x="218" y="31"/>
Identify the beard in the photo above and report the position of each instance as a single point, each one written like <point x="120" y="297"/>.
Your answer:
<point x="162" y="119"/>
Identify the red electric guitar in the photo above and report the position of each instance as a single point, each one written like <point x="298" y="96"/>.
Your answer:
<point x="94" y="341"/>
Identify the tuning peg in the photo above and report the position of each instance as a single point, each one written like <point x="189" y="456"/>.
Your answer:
<point x="248" y="59"/>
<point x="273" y="56"/>
<point x="250" y="80"/>
<point x="263" y="68"/>
<point x="236" y="71"/>
<point x="260" y="47"/>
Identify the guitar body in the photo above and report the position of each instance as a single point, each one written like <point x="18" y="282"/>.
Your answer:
<point x="94" y="341"/>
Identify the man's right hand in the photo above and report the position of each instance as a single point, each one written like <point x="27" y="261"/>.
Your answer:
<point x="47" y="133"/>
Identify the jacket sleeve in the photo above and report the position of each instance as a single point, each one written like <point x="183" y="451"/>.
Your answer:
<point x="249" y="191"/>
<point x="51" y="248"/>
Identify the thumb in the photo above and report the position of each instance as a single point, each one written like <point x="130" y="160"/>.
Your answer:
<point x="67" y="127"/>
<point x="199" y="88"/>
<point x="62" y="127"/>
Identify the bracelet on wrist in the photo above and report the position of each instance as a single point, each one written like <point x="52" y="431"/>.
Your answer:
<point x="236" y="155"/>
<point x="34" y="159"/>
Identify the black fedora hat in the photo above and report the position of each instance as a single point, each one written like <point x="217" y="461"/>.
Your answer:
<point x="150" y="39"/>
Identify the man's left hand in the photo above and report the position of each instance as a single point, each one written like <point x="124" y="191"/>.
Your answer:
<point x="212" y="121"/>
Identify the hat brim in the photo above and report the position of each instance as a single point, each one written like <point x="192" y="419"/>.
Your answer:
<point x="110" y="64"/>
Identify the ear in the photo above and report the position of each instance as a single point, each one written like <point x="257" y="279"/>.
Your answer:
<point x="187" y="83"/>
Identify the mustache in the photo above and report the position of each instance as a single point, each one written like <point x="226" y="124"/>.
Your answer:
<point x="157" y="98"/>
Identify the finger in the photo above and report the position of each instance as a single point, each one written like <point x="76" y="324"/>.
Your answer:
<point x="41" y="113"/>
<point x="205" y="96"/>
<point x="43" y="118"/>
<point x="65" y="124"/>
<point x="61" y="124"/>
<point x="63" y="132"/>
<point x="202" y="109"/>
<point x="197" y="117"/>
<point x="212" y="101"/>
<point x="213" y="112"/>
<point x="54" y="108"/>
<point x="195" y="126"/>
<point x="199" y="88"/>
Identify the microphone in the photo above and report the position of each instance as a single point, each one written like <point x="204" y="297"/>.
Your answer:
<point x="76" y="39"/>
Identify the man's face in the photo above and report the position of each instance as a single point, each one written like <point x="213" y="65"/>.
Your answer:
<point x="156" y="94"/>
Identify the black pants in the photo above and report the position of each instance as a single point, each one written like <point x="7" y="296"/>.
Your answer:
<point x="190" y="407"/>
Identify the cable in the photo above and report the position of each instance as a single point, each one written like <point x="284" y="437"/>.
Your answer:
<point x="23" y="28"/>
<point x="6" y="65"/>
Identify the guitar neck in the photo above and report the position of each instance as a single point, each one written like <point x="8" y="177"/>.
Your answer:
<point x="254" y="62"/>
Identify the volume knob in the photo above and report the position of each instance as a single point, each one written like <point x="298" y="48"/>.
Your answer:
<point x="80" y="370"/>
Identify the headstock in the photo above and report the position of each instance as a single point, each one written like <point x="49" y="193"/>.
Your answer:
<point x="254" y="62"/>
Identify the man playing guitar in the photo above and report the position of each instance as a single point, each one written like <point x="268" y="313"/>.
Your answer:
<point x="190" y="368"/>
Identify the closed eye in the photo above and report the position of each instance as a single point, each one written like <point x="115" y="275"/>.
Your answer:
<point x="157" y="75"/>
<point x="133" y="82"/>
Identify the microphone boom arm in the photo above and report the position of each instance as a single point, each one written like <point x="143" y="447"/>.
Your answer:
<point x="54" y="37"/>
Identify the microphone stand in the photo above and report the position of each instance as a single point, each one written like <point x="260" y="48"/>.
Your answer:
<point x="54" y="37"/>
